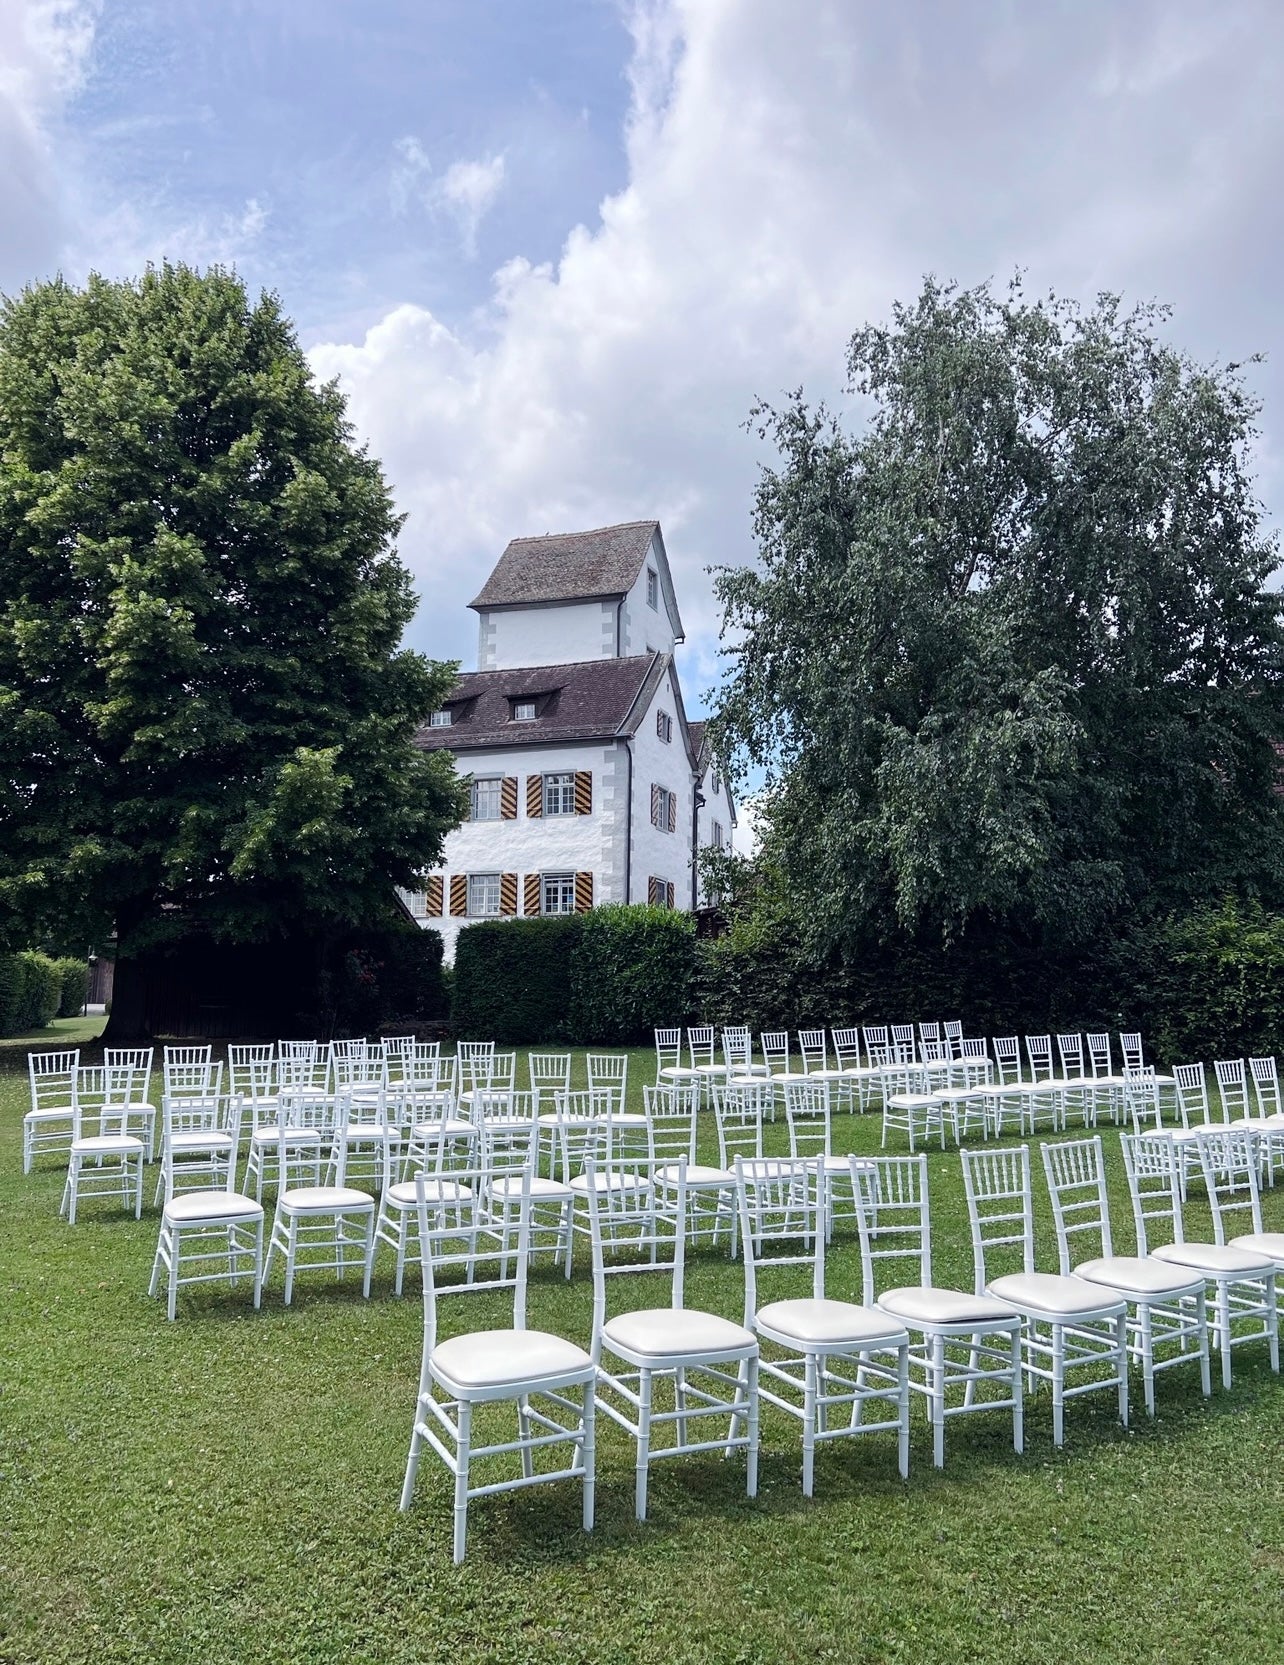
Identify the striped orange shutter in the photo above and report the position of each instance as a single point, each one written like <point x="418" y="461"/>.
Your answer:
<point x="653" y="891"/>
<point x="583" y="892"/>
<point x="458" y="895"/>
<point x="670" y="898"/>
<point x="432" y="896"/>
<point x="508" y="893"/>
<point x="655" y="805"/>
<point x="508" y="798"/>
<point x="673" y="812"/>
<point x="584" y="792"/>
<point x="530" y="897"/>
<point x="534" y="797"/>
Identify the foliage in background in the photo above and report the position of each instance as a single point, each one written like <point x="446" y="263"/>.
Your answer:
<point x="30" y="992"/>
<point x="1007" y="658"/>
<point x="632" y="971"/>
<point x="206" y="719"/>
<point x="74" y="987"/>
<point x="512" y="980"/>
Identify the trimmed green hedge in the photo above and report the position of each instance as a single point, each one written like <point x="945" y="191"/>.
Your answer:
<point x="512" y="980"/>
<point x="30" y="992"/>
<point x="74" y="976"/>
<point x="632" y="973"/>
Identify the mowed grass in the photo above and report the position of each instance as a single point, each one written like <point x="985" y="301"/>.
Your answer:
<point x="225" y="1488"/>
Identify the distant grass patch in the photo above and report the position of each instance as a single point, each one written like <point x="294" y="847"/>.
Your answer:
<point x="224" y="1489"/>
<point x="77" y="1031"/>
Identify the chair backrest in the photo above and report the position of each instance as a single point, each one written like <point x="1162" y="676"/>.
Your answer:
<point x="468" y="1051"/>
<point x="977" y="1047"/>
<point x="813" y="1049"/>
<point x="637" y="1225"/>
<point x="1099" y="1054"/>
<point x="53" y="1079"/>
<point x="194" y="1101"/>
<point x="934" y="1052"/>
<point x="1232" y="1086"/>
<point x="195" y="1085"/>
<point x="1190" y="1085"/>
<point x="737" y="1047"/>
<point x="782" y="1223"/>
<point x="551" y="1071"/>
<point x="1154" y="1186"/>
<point x="421" y="1071"/>
<point x="356" y="1047"/>
<point x="135" y="1058"/>
<point x="775" y="1048"/>
<point x="251" y="1071"/>
<point x="953" y="1031"/>
<point x="608" y="1072"/>
<point x="586" y="1129"/>
<point x="1076" y="1174"/>
<point x="455" y="1233"/>
<point x="1131" y="1048"/>
<point x="700" y="1045"/>
<point x="124" y="1085"/>
<point x="1007" y="1058"/>
<point x="1038" y="1049"/>
<point x="88" y="1101"/>
<point x="1070" y="1047"/>
<point x="1266" y="1085"/>
<point x="846" y="1048"/>
<point x="184" y="1057"/>
<point x="894" y="1220"/>
<point x="739" y="1108"/>
<point x="671" y="1120"/>
<point x="1230" y="1160"/>
<point x="807" y="1110"/>
<point x="877" y="1042"/>
<point x="931" y="1034"/>
<point x="361" y="1085"/>
<point x="298" y="1049"/>
<point x="668" y="1051"/>
<point x="903" y="1042"/>
<point x="1000" y="1205"/>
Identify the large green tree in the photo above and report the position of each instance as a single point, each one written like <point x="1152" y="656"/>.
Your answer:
<point x="205" y="712"/>
<point x="1008" y="655"/>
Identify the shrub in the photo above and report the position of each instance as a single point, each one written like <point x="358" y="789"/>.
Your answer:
<point x="41" y="993"/>
<point x="13" y="983"/>
<point x="393" y="975"/>
<point x="74" y="975"/>
<point x="632" y="971"/>
<point x="512" y="979"/>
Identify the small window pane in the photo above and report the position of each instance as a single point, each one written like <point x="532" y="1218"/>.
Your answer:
<point x="440" y="719"/>
<point x="559" y="794"/>
<point x="652" y="589"/>
<point x="485" y="796"/>
<point x="483" y="895"/>
<point x="558" y="893"/>
<point x="524" y="711"/>
<point x="664" y="726"/>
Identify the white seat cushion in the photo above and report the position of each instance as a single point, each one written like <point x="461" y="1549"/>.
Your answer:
<point x="293" y="1136"/>
<point x="1137" y="1275"/>
<point x="202" y="1141"/>
<point x="509" y="1186"/>
<point x="404" y="1195"/>
<point x="325" y="1199"/>
<point x="190" y="1207"/>
<point x="839" y="1323"/>
<point x="1261" y="1243"/>
<point x="608" y="1180"/>
<point x="1051" y="1295"/>
<point x="48" y="1115"/>
<point x="108" y="1144"/>
<point x="450" y="1129"/>
<point x="912" y="1101"/>
<point x="841" y="1165"/>
<point x="1216" y="1260"/>
<point x="928" y="1305"/>
<point x="697" y="1174"/>
<point x="489" y="1358"/>
<point x="668" y="1332"/>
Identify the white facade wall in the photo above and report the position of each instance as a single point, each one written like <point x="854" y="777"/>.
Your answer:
<point x="510" y="638"/>
<point x="656" y="853"/>
<point x="644" y="628"/>
<point x="547" y="844"/>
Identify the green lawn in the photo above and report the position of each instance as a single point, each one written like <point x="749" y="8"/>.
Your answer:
<point x="225" y="1489"/>
<point x="77" y="1031"/>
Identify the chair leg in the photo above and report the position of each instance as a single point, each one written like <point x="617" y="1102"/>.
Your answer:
<point x="751" y="1388"/>
<point x="463" y="1458"/>
<point x="936" y="1398"/>
<point x="1224" y="1331"/>
<point x="1058" y="1385"/>
<point x="175" y="1251"/>
<point x="589" y="1449"/>
<point x="903" y="1410"/>
<point x="809" y="1424"/>
<point x="291" y="1250"/>
<point x="1147" y="1358"/>
<point x="1121" y="1344"/>
<point x="138" y="1189"/>
<point x="524" y="1434"/>
<point x="643" y="1445"/>
<point x="258" y="1263"/>
<point x="1018" y="1396"/>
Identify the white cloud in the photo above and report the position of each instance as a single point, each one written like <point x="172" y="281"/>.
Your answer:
<point x="466" y="192"/>
<point x="129" y="237"/>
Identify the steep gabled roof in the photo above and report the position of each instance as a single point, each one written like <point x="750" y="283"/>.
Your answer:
<point x="569" y="566"/>
<point x="596" y="699"/>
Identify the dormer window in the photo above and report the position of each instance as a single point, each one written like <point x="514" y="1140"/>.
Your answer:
<point x="524" y="711"/>
<point x="664" y="726"/>
<point x="652" y="589"/>
<point x="441" y="719"/>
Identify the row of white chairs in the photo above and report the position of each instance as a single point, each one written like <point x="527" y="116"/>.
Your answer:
<point x="841" y="1368"/>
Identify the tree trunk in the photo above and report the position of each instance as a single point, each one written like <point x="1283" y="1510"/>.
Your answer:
<point x="128" y="1023"/>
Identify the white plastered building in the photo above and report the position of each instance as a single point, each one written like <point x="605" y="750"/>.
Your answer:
<point x="587" y="783"/>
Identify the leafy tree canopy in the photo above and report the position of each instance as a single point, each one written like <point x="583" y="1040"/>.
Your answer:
<point x="1008" y="655"/>
<point x="205" y="714"/>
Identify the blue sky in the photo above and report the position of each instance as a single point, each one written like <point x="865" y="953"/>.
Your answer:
<point x="555" y="251"/>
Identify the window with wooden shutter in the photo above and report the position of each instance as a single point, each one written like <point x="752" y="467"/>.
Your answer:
<point x="508" y="798"/>
<point x="530" y="888"/>
<point x="508" y="887"/>
<point x="653" y="891"/>
<point x="655" y="804"/>
<point x="583" y="892"/>
<point x="534" y="796"/>
<point x="670" y="899"/>
<point x="584" y="792"/>
<point x="459" y="895"/>
<point x="673" y="811"/>
<point x="432" y="896"/>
